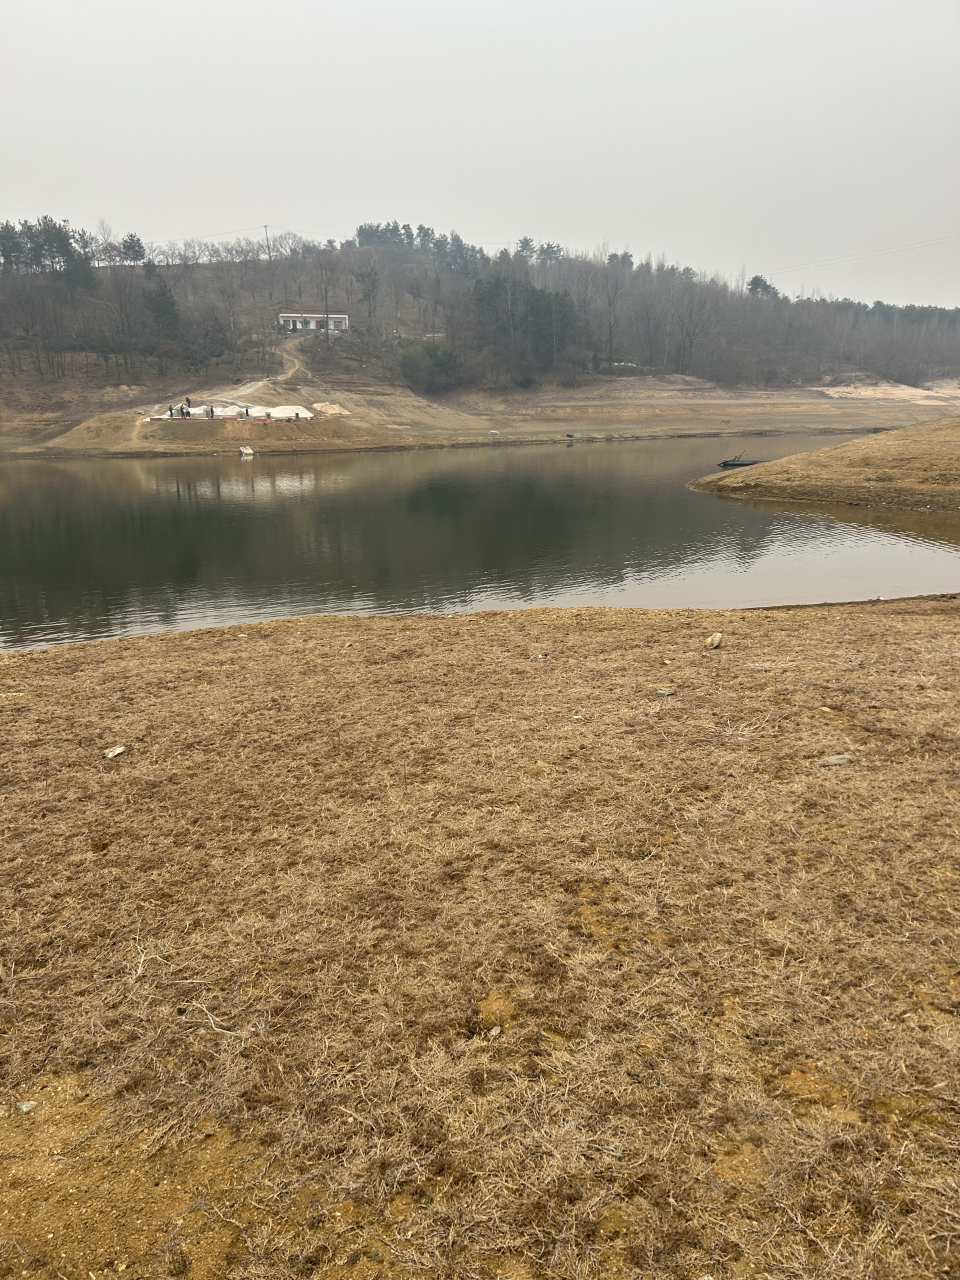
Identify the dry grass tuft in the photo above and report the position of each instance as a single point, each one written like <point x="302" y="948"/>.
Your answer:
<point x="385" y="950"/>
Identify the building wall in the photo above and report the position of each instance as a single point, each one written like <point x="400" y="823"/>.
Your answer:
<point x="338" y="323"/>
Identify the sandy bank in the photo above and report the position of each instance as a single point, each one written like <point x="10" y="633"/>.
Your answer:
<point x="914" y="469"/>
<point x="548" y="943"/>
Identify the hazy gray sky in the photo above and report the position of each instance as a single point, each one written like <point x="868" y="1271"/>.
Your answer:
<point x="765" y="134"/>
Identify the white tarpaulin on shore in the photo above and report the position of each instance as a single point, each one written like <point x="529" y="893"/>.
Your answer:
<point x="234" y="409"/>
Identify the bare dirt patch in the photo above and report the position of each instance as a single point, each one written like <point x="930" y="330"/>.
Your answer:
<point x="914" y="469"/>
<point x="441" y="947"/>
<point x="79" y="1194"/>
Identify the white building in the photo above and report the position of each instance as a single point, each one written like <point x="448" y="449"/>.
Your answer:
<point x="307" y="318"/>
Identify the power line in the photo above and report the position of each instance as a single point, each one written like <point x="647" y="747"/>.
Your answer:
<point x="870" y="253"/>
<point x="218" y="235"/>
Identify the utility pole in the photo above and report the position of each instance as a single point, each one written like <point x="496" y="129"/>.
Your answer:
<point x="267" y="239"/>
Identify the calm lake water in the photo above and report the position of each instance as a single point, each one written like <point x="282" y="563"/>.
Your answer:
<point x="113" y="547"/>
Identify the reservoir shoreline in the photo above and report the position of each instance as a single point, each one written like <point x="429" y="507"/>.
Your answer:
<point x="414" y="446"/>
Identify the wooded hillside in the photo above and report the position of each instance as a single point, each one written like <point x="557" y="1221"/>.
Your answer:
<point x="434" y="312"/>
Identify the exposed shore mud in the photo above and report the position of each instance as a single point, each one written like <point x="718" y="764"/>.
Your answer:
<point x="364" y="414"/>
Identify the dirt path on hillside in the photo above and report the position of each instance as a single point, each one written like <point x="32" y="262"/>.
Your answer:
<point x="290" y="352"/>
<point x="292" y="364"/>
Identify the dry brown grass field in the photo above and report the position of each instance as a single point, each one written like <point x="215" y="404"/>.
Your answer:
<point x="914" y="469"/>
<point x="537" y="944"/>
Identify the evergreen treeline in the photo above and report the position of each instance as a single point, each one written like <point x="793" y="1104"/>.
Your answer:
<point x="435" y="311"/>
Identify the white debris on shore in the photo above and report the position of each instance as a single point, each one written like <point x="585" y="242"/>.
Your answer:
<point x="217" y="408"/>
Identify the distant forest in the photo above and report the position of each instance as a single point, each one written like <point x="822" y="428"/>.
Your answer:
<point x="432" y="311"/>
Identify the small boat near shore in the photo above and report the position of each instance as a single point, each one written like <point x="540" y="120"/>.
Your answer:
<point x="739" y="461"/>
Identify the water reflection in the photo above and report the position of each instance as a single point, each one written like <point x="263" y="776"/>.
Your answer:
<point x="105" y="547"/>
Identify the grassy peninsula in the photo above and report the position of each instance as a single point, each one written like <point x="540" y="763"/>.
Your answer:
<point x="913" y="469"/>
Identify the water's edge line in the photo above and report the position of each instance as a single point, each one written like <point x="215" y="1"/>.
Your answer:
<point x="74" y="455"/>
<point x="725" y="611"/>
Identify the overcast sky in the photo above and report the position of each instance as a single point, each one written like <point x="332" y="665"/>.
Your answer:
<point x="766" y="135"/>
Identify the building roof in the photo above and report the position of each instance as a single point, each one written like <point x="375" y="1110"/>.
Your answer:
<point x="287" y="310"/>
